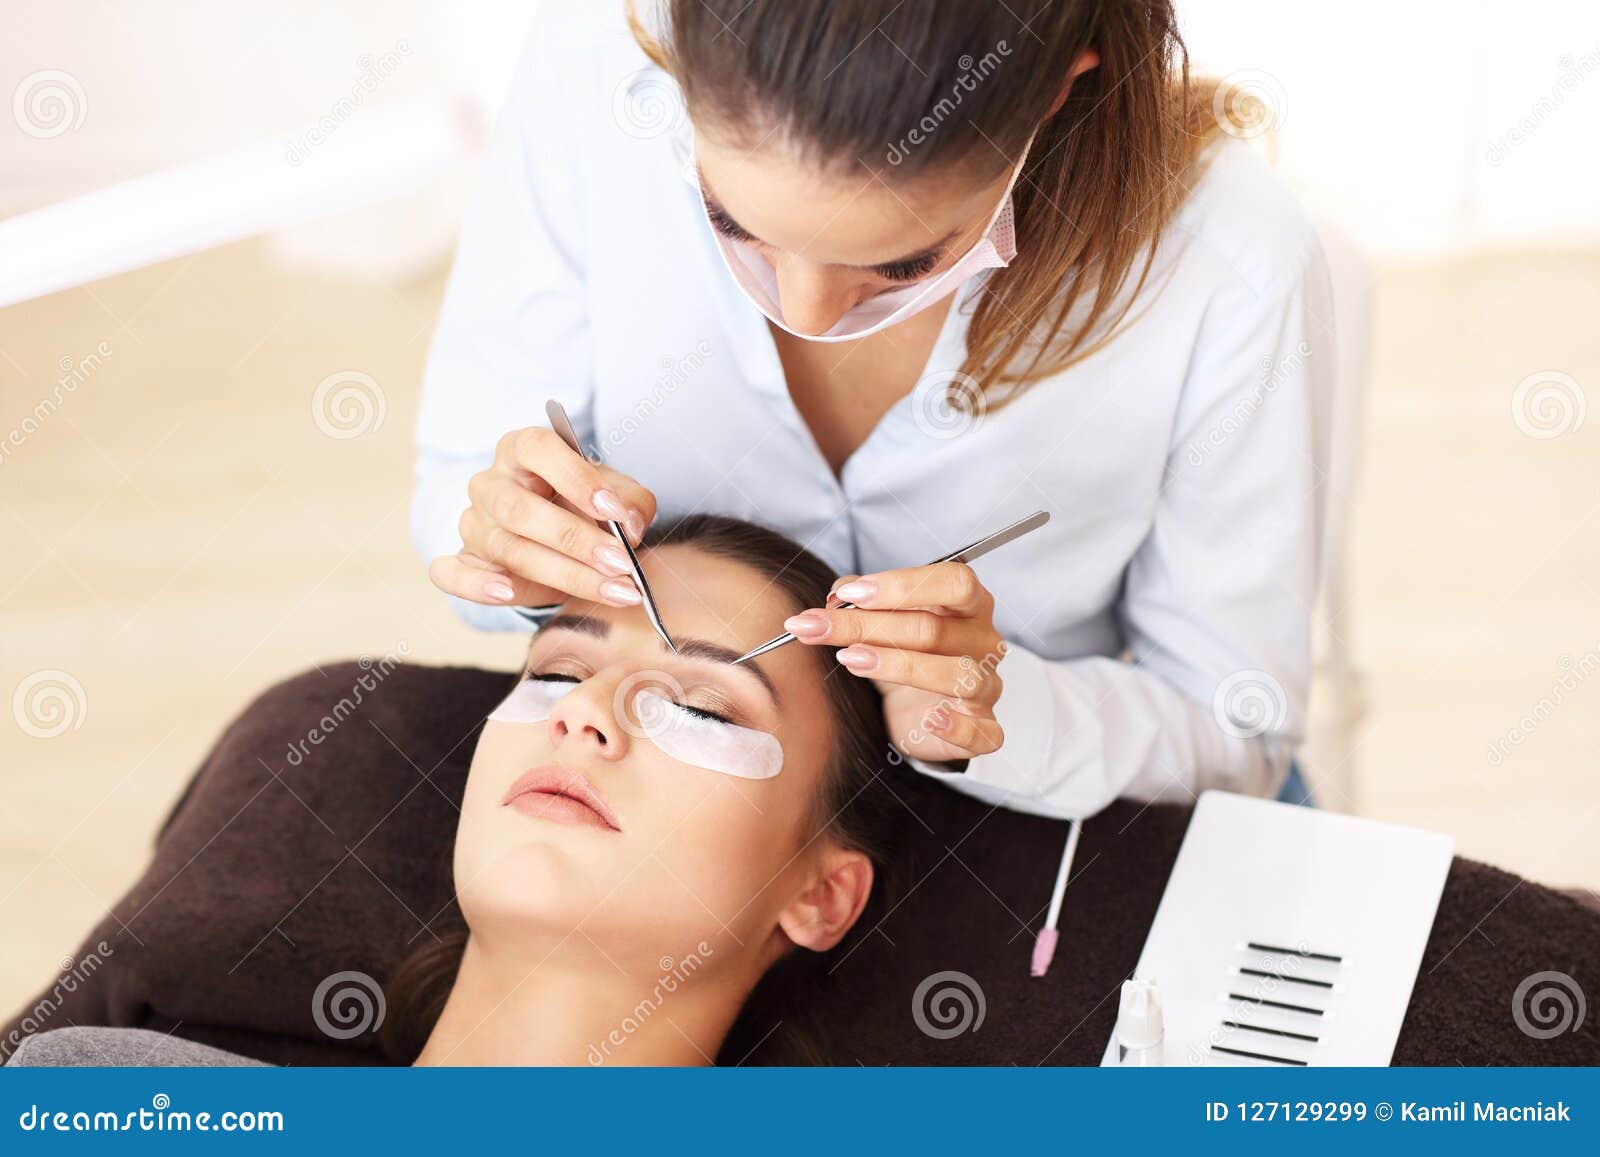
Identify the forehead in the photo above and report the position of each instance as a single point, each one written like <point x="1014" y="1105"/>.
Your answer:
<point x="705" y="596"/>
<point x="711" y="597"/>
<point x="859" y="217"/>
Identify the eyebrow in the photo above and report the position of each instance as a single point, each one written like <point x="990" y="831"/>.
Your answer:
<point x="935" y="250"/>
<point x="687" y="648"/>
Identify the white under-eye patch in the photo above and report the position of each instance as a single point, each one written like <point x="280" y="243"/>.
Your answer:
<point x="679" y="733"/>
<point x="530" y="701"/>
<point x="708" y="743"/>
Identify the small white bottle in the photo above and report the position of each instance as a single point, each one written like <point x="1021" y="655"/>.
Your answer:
<point x="1140" y="1030"/>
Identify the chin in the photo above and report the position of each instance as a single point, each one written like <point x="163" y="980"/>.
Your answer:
<point x="540" y="886"/>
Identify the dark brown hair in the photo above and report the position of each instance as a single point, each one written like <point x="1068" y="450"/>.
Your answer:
<point x="941" y="86"/>
<point x="854" y="806"/>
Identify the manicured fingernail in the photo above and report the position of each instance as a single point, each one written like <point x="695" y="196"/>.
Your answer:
<point x="806" y="625"/>
<point x="857" y="590"/>
<point x="635" y="525"/>
<point x="609" y="505"/>
<point x="499" y="589"/>
<point x="620" y="592"/>
<point x="611" y="559"/>
<point x="858" y="659"/>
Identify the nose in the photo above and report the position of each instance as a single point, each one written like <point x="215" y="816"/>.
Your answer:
<point x="812" y="297"/>
<point x="583" y="723"/>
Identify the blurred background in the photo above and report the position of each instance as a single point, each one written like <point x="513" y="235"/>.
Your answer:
<point x="205" y="442"/>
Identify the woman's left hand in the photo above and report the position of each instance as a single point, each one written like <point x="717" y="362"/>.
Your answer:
<point x="926" y="636"/>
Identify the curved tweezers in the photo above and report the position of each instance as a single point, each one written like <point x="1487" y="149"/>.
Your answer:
<point x="560" y="423"/>
<point x="966" y="554"/>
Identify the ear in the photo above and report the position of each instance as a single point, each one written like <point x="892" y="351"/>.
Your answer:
<point x="1086" y="60"/>
<point x="819" y="916"/>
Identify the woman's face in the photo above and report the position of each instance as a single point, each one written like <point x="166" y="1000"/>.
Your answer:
<point x="664" y="854"/>
<point x="836" y="240"/>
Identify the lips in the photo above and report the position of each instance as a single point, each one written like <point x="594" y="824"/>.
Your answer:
<point x="562" y="795"/>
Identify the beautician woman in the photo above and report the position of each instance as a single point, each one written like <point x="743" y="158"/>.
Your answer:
<point x="885" y="277"/>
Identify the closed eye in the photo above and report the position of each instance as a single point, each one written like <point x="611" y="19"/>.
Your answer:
<point x="726" y="225"/>
<point x="688" y="709"/>
<point x="908" y="270"/>
<point x="703" y="713"/>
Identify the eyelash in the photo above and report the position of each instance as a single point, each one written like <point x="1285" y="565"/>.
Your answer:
<point x="908" y="270"/>
<point x="726" y="225"/>
<point x="895" y="271"/>
<point x="698" y="712"/>
<point x="702" y="713"/>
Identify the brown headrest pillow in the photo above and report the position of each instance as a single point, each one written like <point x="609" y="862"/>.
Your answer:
<point x="314" y="840"/>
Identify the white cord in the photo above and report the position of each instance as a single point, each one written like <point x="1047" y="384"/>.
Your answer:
<point x="1068" y="853"/>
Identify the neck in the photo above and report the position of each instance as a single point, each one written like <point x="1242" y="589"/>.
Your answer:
<point x="574" y="1008"/>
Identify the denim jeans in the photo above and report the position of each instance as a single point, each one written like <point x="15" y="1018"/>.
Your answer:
<point x="1295" y="790"/>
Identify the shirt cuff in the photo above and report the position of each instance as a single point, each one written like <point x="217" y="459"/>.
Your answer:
<point x="487" y="618"/>
<point x="537" y="616"/>
<point x="1026" y="714"/>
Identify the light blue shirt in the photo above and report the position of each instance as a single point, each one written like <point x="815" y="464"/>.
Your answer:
<point x="1159" y="624"/>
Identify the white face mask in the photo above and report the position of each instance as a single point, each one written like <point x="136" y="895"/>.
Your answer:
<point x="678" y="733"/>
<point x="756" y="276"/>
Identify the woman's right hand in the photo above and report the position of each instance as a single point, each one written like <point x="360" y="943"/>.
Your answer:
<point x="530" y="537"/>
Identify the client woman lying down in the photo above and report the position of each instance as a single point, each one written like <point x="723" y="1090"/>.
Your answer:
<point x="644" y="836"/>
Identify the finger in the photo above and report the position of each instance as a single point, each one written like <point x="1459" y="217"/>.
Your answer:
<point x="949" y="585"/>
<point x="924" y="631"/>
<point x="632" y="494"/>
<point x="508" y="503"/>
<point x="974" y="734"/>
<point x="541" y="564"/>
<point x="469" y="577"/>
<point x="539" y="451"/>
<point x="977" y="686"/>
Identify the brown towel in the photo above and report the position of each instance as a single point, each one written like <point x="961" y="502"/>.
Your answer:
<point x="276" y="870"/>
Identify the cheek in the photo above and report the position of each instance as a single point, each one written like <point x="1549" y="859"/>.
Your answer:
<point x="729" y="844"/>
<point x="501" y="748"/>
<point x="512" y="872"/>
<point x="504" y="751"/>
